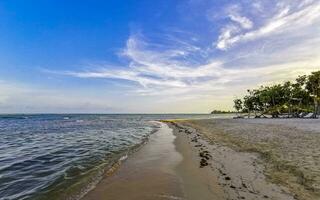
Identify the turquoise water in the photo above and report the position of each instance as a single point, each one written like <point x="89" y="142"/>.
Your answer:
<point x="64" y="156"/>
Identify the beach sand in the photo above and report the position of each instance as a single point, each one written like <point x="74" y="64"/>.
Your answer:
<point x="261" y="158"/>
<point x="221" y="159"/>
<point x="165" y="168"/>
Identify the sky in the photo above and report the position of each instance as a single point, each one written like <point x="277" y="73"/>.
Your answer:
<point x="160" y="56"/>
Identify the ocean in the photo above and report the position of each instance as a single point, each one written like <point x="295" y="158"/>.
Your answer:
<point x="63" y="156"/>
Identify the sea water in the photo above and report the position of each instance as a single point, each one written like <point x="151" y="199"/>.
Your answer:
<point x="62" y="156"/>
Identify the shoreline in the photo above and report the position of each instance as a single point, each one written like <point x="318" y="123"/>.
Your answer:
<point x="196" y="182"/>
<point x="199" y="159"/>
<point x="164" y="168"/>
<point x="146" y="174"/>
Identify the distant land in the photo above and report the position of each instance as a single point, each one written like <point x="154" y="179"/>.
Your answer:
<point x="221" y="112"/>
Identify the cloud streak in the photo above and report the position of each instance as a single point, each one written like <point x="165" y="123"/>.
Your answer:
<point x="157" y="69"/>
<point x="163" y="73"/>
<point x="284" y="21"/>
<point x="259" y="47"/>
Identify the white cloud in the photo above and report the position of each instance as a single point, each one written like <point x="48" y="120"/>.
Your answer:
<point x="233" y="13"/>
<point x="154" y="68"/>
<point x="284" y="42"/>
<point x="283" y="22"/>
<point x="243" y="21"/>
<point x="160" y="74"/>
<point x="225" y="36"/>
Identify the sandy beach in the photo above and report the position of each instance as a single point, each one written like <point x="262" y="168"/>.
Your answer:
<point x="221" y="159"/>
<point x="261" y="158"/>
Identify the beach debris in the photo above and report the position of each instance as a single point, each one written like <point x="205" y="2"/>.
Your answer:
<point x="203" y="163"/>
<point x="205" y="155"/>
<point x="194" y="139"/>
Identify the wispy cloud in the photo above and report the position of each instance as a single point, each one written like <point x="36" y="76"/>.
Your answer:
<point x="159" y="69"/>
<point x="165" y="73"/>
<point x="235" y="16"/>
<point x="283" y="42"/>
<point x="287" y="19"/>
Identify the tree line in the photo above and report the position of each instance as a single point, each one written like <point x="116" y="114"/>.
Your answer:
<point x="296" y="98"/>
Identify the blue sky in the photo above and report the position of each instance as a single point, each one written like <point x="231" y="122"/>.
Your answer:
<point x="165" y="56"/>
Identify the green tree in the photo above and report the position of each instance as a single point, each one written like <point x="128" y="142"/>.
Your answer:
<point x="238" y="105"/>
<point x="313" y="87"/>
<point x="300" y="96"/>
<point x="248" y="103"/>
<point x="294" y="98"/>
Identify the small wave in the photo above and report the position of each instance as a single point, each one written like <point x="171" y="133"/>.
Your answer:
<point x="55" y="151"/>
<point x="111" y="169"/>
<point x="73" y="171"/>
<point x="123" y="158"/>
<point x="102" y="171"/>
<point x="164" y="196"/>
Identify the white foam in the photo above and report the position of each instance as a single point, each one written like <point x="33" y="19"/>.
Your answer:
<point x="123" y="158"/>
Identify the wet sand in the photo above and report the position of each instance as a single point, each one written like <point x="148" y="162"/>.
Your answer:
<point x="165" y="168"/>
<point x="196" y="182"/>
<point x="147" y="174"/>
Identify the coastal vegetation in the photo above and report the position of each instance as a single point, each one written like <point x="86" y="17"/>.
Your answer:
<point x="221" y="112"/>
<point x="299" y="98"/>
